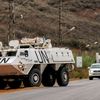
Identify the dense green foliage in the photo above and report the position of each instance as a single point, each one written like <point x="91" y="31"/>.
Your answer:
<point x="88" y="59"/>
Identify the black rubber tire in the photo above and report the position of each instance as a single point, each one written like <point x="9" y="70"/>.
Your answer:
<point x="62" y="76"/>
<point x="16" y="83"/>
<point x="34" y="78"/>
<point x="90" y="78"/>
<point x="48" y="77"/>
<point x="3" y="84"/>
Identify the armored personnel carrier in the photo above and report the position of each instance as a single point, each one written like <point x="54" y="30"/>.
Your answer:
<point x="34" y="61"/>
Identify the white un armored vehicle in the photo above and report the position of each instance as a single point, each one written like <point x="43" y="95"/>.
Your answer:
<point x="34" y="61"/>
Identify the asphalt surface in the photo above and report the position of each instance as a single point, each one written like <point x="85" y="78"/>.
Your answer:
<point x="76" y="90"/>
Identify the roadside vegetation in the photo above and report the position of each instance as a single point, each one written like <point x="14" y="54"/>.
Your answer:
<point x="88" y="58"/>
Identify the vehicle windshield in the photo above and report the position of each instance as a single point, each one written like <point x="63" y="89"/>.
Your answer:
<point x="95" y="66"/>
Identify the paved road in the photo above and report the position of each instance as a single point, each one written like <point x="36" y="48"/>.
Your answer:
<point x="77" y="90"/>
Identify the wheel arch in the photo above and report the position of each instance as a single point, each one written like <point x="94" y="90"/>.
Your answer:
<point x="62" y="66"/>
<point x="53" y="66"/>
<point x="36" y="66"/>
<point x="69" y="67"/>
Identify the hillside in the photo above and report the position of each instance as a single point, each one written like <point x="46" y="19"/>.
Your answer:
<point x="41" y="18"/>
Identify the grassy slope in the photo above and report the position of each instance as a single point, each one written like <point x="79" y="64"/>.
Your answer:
<point x="40" y="18"/>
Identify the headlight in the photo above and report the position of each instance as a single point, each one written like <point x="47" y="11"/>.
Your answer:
<point x="90" y="72"/>
<point x="21" y="67"/>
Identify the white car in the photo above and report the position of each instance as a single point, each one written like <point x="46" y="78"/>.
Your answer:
<point x="94" y="71"/>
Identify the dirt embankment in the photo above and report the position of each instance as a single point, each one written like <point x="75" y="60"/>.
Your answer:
<point x="41" y="18"/>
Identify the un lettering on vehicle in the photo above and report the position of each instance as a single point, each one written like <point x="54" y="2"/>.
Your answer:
<point x="4" y="60"/>
<point x="42" y="56"/>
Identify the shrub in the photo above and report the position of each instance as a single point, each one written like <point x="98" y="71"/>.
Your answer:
<point x="79" y="73"/>
<point x="88" y="60"/>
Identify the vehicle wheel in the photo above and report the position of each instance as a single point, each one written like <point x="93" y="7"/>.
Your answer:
<point x="90" y="78"/>
<point x="34" y="78"/>
<point x="48" y="77"/>
<point x="3" y="84"/>
<point x="62" y="76"/>
<point x="16" y="83"/>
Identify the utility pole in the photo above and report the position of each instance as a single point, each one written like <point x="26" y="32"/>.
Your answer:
<point x="60" y="22"/>
<point x="13" y="19"/>
<point x="11" y="33"/>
